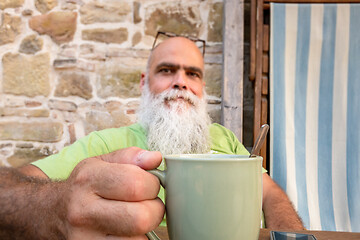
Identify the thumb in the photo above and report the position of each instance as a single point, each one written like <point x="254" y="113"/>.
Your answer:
<point x="134" y="155"/>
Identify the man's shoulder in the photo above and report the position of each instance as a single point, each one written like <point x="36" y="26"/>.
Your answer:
<point x="135" y="129"/>
<point x="223" y="140"/>
<point x="216" y="128"/>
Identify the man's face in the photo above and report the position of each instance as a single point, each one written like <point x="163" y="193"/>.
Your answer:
<point x="176" y="64"/>
<point x="173" y="102"/>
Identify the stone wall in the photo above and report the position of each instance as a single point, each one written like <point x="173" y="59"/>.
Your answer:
<point x="69" y="67"/>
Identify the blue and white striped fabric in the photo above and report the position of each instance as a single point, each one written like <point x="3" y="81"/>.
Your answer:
<point x="315" y="111"/>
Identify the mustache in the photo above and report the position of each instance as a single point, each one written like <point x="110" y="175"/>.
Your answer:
<point x="175" y="94"/>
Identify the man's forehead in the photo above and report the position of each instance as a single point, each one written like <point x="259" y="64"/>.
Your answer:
<point x="179" y="51"/>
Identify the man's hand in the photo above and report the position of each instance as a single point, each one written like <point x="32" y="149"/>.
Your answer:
<point x="113" y="195"/>
<point x="106" y="197"/>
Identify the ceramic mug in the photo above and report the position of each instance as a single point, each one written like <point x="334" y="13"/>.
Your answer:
<point x="212" y="196"/>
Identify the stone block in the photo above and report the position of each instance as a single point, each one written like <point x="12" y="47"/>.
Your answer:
<point x="27" y="12"/>
<point x="120" y="118"/>
<point x="74" y="84"/>
<point x="62" y="105"/>
<point x="215" y="23"/>
<point x="10" y="4"/>
<point x="92" y="106"/>
<point x="118" y="82"/>
<point x="117" y="52"/>
<point x="31" y="44"/>
<point x="106" y="11"/>
<point x="13" y="102"/>
<point x="111" y="106"/>
<point x="60" y="26"/>
<point x="72" y="133"/>
<point x="93" y="52"/>
<point x="70" y="5"/>
<point x="85" y="65"/>
<point x="26" y="75"/>
<point x="24" y="145"/>
<point x="6" y="149"/>
<point x="23" y="156"/>
<point x="67" y="51"/>
<point x="133" y="104"/>
<point x="173" y="17"/>
<point x="98" y="120"/>
<point x="44" y="6"/>
<point x="213" y="78"/>
<point x="21" y="112"/>
<point x="65" y="63"/>
<point x="5" y="145"/>
<point x="136" y="13"/>
<point x="31" y="104"/>
<point x="118" y="35"/>
<point x="10" y="28"/>
<point x="136" y="39"/>
<point x="70" y="117"/>
<point x="31" y="131"/>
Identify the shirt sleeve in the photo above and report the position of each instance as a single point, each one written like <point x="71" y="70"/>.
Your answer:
<point x="225" y="141"/>
<point x="59" y="166"/>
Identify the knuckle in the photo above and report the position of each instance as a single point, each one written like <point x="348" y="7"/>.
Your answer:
<point x="76" y="217"/>
<point x="136" y="188"/>
<point x="81" y="178"/>
<point x="82" y="172"/>
<point x="133" y="149"/>
<point x="143" y="220"/>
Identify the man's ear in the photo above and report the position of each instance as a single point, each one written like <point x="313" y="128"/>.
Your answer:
<point x="142" y="81"/>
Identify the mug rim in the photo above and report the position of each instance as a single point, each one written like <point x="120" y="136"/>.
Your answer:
<point x="211" y="157"/>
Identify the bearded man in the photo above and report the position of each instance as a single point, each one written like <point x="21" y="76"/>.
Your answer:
<point x="98" y="188"/>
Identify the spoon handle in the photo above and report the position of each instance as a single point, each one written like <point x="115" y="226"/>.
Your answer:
<point x="259" y="140"/>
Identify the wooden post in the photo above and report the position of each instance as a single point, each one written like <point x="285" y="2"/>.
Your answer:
<point x="233" y="66"/>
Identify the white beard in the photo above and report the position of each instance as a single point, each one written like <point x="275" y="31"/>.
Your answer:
<point x="175" y="126"/>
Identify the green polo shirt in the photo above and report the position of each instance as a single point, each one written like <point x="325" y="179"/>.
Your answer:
<point x="59" y="166"/>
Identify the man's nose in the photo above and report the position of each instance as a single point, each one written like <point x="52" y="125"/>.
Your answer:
<point x="180" y="81"/>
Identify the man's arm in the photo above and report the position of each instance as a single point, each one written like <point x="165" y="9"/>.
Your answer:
<point x="25" y="204"/>
<point x="105" y="195"/>
<point x="278" y="210"/>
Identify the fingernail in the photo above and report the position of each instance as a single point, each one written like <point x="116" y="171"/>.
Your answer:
<point x="141" y="155"/>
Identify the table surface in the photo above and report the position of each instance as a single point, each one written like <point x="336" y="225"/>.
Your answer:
<point x="265" y="234"/>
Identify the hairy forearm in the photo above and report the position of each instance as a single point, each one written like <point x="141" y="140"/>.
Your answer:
<point x="30" y="208"/>
<point x="280" y="213"/>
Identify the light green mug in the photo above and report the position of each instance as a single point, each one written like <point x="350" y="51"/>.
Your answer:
<point x="212" y="196"/>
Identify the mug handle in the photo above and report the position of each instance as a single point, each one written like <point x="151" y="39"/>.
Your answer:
<point x="152" y="236"/>
<point x="161" y="176"/>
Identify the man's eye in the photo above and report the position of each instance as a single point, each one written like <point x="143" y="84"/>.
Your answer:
<point x="193" y="74"/>
<point x="165" y="70"/>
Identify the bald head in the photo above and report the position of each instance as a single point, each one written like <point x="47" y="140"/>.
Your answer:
<point x="176" y="45"/>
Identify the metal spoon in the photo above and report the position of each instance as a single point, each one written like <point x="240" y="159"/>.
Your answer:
<point x="259" y="140"/>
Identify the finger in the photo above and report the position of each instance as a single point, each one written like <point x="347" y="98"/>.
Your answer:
<point x="149" y="160"/>
<point x="86" y="233"/>
<point x="126" y="218"/>
<point x="136" y="156"/>
<point x="125" y="182"/>
<point x="112" y="237"/>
